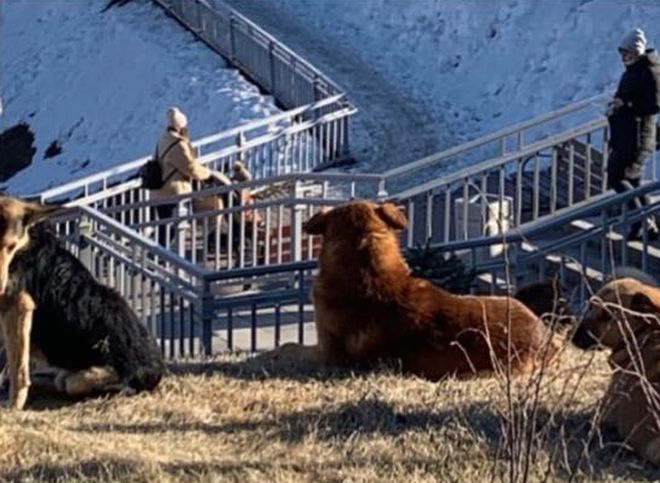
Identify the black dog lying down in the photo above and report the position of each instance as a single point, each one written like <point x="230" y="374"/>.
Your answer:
<point x="84" y="331"/>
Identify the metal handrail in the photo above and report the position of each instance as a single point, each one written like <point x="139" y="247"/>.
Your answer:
<point x="142" y="242"/>
<point x="557" y="220"/>
<point x="482" y="141"/>
<point x="229" y="133"/>
<point x="260" y="270"/>
<point x="492" y="163"/>
<point x="137" y="163"/>
<point x="231" y="19"/>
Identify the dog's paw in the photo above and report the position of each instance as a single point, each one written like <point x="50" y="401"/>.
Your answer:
<point x="18" y="398"/>
<point x="61" y="380"/>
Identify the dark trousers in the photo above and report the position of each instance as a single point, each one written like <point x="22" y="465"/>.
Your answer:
<point x="162" y="212"/>
<point x="619" y="182"/>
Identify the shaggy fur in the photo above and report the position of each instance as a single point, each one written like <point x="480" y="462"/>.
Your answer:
<point x="83" y="328"/>
<point x="369" y="308"/>
<point x="623" y="316"/>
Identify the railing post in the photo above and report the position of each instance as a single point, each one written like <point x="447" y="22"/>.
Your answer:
<point x="271" y="65"/>
<point x="181" y="228"/>
<point x="296" y="226"/>
<point x="85" y="254"/>
<point x="240" y="142"/>
<point x="382" y="190"/>
<point x="207" y="318"/>
<point x="232" y="39"/>
<point x="516" y="278"/>
<point x="345" y="133"/>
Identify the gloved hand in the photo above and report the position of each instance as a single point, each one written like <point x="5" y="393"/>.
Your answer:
<point x="219" y="178"/>
<point x="613" y="106"/>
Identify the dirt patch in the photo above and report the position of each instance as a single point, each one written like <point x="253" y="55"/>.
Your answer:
<point x="53" y="150"/>
<point x="16" y="150"/>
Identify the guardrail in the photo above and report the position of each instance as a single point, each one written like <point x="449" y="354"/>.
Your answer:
<point x="191" y="310"/>
<point x="593" y="244"/>
<point x="511" y="139"/>
<point x="262" y="307"/>
<point x="292" y="80"/>
<point x="270" y="64"/>
<point x="195" y="286"/>
<point x="264" y="232"/>
<point x="279" y="144"/>
<point x="512" y="189"/>
<point x="165" y="291"/>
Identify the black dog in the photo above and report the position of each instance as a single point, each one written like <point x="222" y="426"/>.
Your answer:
<point x="84" y="330"/>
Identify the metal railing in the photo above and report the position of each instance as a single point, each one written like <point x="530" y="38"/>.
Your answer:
<point x="256" y="279"/>
<point x="515" y="188"/>
<point x="511" y="139"/>
<point x="262" y="307"/>
<point x="165" y="291"/>
<point x="292" y="80"/>
<point x="582" y="246"/>
<point x="269" y="147"/>
<point x="265" y="231"/>
<point x="188" y="309"/>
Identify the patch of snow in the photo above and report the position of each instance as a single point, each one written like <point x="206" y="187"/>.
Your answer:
<point x="470" y="67"/>
<point x="99" y="83"/>
<point x="424" y="74"/>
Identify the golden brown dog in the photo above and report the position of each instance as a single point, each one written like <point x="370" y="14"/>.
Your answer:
<point x="369" y="308"/>
<point x="623" y="316"/>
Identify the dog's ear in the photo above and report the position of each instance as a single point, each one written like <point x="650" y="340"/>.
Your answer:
<point x="316" y="224"/>
<point x="35" y="212"/>
<point x="393" y="216"/>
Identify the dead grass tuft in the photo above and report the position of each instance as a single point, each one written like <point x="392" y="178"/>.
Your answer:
<point x="237" y="419"/>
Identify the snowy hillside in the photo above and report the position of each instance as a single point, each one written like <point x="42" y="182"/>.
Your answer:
<point x="465" y="68"/>
<point x="97" y="84"/>
<point x="425" y="74"/>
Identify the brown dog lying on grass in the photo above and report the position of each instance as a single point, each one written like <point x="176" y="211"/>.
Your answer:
<point x="369" y="308"/>
<point x="623" y="316"/>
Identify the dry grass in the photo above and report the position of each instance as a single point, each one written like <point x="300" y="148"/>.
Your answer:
<point x="237" y="419"/>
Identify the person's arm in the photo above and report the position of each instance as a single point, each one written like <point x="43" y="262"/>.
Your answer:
<point x="185" y="161"/>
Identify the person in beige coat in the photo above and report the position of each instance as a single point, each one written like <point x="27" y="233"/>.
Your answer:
<point x="179" y="166"/>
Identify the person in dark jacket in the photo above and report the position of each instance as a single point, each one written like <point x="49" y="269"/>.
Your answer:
<point x="632" y="116"/>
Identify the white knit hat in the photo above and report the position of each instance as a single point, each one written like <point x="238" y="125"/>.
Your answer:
<point x="634" y="41"/>
<point x="176" y="119"/>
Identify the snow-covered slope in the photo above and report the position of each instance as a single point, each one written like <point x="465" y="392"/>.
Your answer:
<point x="467" y="67"/>
<point x="425" y="74"/>
<point x="99" y="83"/>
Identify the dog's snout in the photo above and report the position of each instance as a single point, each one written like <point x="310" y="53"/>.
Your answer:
<point x="583" y="338"/>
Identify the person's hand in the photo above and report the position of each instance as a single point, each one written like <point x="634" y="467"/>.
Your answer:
<point x="220" y="178"/>
<point x="614" y="105"/>
<point x="617" y="103"/>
